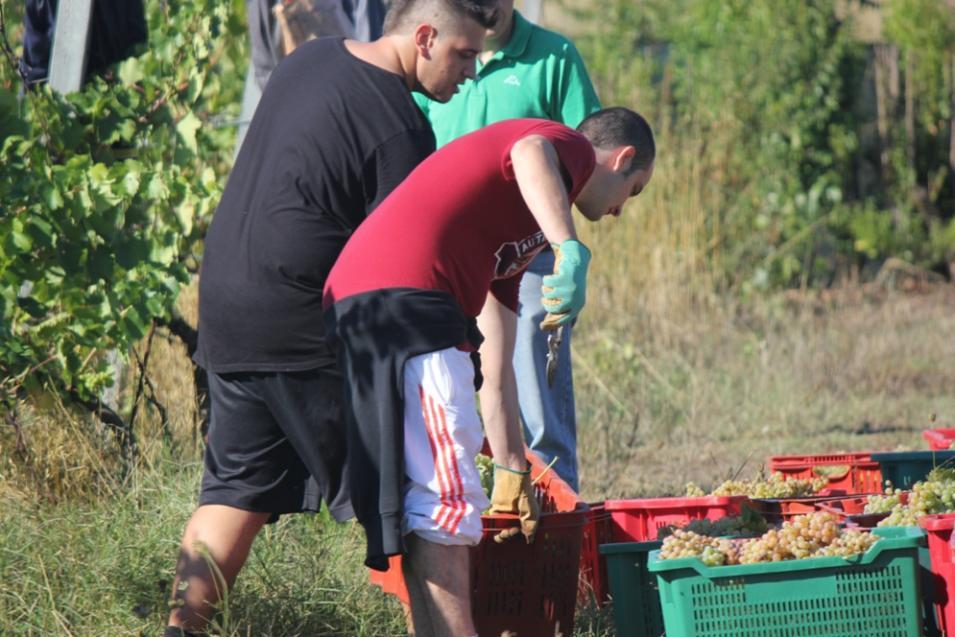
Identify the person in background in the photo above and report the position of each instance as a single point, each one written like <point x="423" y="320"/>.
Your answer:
<point x="406" y="310"/>
<point x="116" y="28"/>
<point x="269" y="37"/>
<point x="528" y="71"/>
<point x="335" y="132"/>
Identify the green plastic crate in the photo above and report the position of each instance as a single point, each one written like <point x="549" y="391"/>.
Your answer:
<point x="905" y="468"/>
<point x="636" y="602"/>
<point x="876" y="593"/>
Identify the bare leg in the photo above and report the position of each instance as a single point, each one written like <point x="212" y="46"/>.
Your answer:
<point x="227" y="533"/>
<point x="438" y="579"/>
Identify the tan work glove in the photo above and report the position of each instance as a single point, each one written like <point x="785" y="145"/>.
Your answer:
<point x="514" y="493"/>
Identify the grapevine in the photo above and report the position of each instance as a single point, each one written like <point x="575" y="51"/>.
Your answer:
<point x="105" y="198"/>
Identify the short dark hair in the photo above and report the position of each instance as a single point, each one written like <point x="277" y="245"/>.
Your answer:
<point x="618" y="126"/>
<point x="484" y="12"/>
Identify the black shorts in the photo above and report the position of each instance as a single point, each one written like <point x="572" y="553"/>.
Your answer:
<point x="276" y="443"/>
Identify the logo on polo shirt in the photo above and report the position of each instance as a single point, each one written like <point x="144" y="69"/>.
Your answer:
<point x="513" y="256"/>
<point x="512" y="80"/>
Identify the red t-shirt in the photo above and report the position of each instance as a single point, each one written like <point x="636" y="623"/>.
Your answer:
<point x="458" y="222"/>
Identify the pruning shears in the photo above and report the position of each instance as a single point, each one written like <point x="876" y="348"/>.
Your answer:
<point x="554" y="339"/>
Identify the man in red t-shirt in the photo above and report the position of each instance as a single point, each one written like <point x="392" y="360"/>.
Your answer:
<point x="441" y="256"/>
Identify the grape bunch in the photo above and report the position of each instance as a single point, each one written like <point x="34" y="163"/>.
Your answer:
<point x="811" y="535"/>
<point x="885" y="502"/>
<point x="747" y="524"/>
<point x="713" y="551"/>
<point x="934" y="494"/>
<point x="485" y="467"/>
<point x="775" y="486"/>
<point x="798" y="538"/>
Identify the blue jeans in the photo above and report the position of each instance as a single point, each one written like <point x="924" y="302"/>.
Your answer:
<point x="550" y="423"/>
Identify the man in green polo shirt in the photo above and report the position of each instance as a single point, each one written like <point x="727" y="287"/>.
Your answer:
<point x="528" y="71"/>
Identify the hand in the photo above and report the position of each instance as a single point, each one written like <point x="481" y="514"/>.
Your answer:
<point x="514" y="493"/>
<point x="565" y="291"/>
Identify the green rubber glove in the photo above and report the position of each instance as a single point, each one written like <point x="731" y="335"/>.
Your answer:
<point x="565" y="291"/>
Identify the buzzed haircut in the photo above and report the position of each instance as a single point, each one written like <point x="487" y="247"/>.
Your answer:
<point x="618" y="126"/>
<point x="402" y="12"/>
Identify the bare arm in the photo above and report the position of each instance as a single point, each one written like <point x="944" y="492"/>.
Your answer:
<point x="537" y="171"/>
<point x="498" y="395"/>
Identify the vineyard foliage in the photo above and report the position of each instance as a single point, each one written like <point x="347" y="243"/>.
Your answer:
<point x="799" y="178"/>
<point x="105" y="196"/>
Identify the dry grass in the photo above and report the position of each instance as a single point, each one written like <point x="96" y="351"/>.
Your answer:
<point x="731" y="384"/>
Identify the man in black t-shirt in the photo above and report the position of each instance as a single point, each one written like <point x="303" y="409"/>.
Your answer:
<point x="336" y="130"/>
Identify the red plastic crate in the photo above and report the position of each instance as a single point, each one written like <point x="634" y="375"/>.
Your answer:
<point x="940" y="438"/>
<point x="641" y="520"/>
<point x="939" y="531"/>
<point x="862" y="474"/>
<point x="527" y="589"/>
<point x="593" y="565"/>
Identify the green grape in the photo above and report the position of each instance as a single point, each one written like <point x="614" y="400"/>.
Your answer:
<point x="485" y="467"/>
<point x="934" y="494"/>
<point x="804" y="536"/>
<point x="773" y="487"/>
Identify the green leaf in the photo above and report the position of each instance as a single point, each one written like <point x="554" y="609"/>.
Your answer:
<point x="41" y="230"/>
<point x="157" y="188"/>
<point x="22" y="241"/>
<point x="131" y="71"/>
<point x="187" y="128"/>
<point x="134" y="324"/>
<point x="186" y="213"/>
<point x="52" y="197"/>
<point x="131" y="180"/>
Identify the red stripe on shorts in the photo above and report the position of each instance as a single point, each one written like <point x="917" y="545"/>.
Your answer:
<point x="444" y="512"/>
<point x="457" y="485"/>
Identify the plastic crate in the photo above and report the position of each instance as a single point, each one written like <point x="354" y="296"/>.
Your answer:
<point x="939" y="530"/>
<point x="636" y="608"/>
<point x="854" y="472"/>
<point x="641" y="520"/>
<point x="593" y="565"/>
<point x="527" y="589"/>
<point x="905" y="468"/>
<point x="877" y="593"/>
<point x="851" y="511"/>
<point x="776" y="510"/>
<point x="940" y="438"/>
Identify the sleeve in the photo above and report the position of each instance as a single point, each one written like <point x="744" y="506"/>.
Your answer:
<point x="574" y="152"/>
<point x="507" y="291"/>
<point x="576" y="156"/>
<point x="392" y="161"/>
<point x="575" y="97"/>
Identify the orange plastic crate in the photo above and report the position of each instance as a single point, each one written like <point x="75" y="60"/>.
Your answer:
<point x="860" y="474"/>
<point x="527" y="589"/>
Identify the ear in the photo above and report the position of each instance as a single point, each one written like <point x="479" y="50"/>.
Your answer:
<point x="622" y="157"/>
<point x="424" y="35"/>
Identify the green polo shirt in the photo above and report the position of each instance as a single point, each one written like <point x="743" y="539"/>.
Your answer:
<point x="538" y="73"/>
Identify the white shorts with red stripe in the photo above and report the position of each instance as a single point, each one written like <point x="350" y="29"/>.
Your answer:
<point x="443" y="433"/>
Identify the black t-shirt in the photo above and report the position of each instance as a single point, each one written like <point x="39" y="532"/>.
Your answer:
<point x="331" y="137"/>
